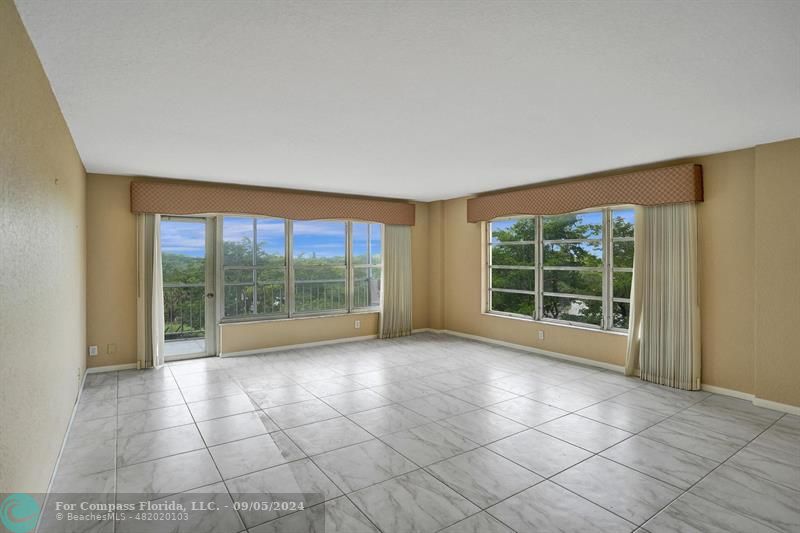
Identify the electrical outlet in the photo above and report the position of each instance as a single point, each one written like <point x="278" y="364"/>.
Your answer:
<point x="111" y="348"/>
<point x="358" y="324"/>
<point x="92" y="351"/>
<point x="541" y="335"/>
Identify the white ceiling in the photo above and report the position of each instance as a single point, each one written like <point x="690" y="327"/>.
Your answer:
<point x="420" y="100"/>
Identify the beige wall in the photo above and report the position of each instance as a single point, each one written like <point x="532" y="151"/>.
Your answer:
<point x="247" y="336"/>
<point x="735" y="266"/>
<point x="111" y="285"/>
<point x="777" y="271"/>
<point x="111" y="270"/>
<point x="42" y="289"/>
<point x="462" y="281"/>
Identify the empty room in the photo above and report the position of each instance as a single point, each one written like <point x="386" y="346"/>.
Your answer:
<point x="390" y="266"/>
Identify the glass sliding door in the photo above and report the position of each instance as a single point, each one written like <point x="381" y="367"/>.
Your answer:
<point x="187" y="269"/>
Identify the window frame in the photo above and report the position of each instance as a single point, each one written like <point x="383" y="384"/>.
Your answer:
<point x="490" y="266"/>
<point x="607" y="271"/>
<point x="289" y="273"/>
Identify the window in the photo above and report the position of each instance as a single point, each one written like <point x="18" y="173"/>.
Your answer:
<point x="512" y="266"/>
<point x="319" y="253"/>
<point x="278" y="268"/>
<point x="621" y="266"/>
<point x="254" y="266"/>
<point x="367" y="261"/>
<point x="559" y="268"/>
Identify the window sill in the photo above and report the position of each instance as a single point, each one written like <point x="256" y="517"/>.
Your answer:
<point x="263" y="319"/>
<point x="556" y="324"/>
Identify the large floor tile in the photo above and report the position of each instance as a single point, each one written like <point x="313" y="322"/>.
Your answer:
<point x="334" y="516"/>
<point x="235" y="427"/>
<point x="481" y="395"/>
<point x="170" y="475"/>
<point x="327" y="435"/>
<point x="672" y="465"/>
<point x="565" y="399"/>
<point x="539" y="452"/>
<point x="298" y="482"/>
<point x="255" y="453"/>
<point x="266" y="398"/>
<point x="770" y="504"/>
<point x="690" y="513"/>
<point x="153" y="419"/>
<point x="152" y="400"/>
<point x="84" y="432"/>
<point x="583" y="432"/>
<point x="401" y="392"/>
<point x="622" y="416"/>
<point x="156" y="444"/>
<point x="483" y="477"/>
<point x="201" y="516"/>
<point x="774" y="455"/>
<point x="521" y="383"/>
<point x="526" y="411"/>
<point x="548" y="507"/>
<point x="298" y="414"/>
<point x="389" y="419"/>
<point x="220" y="407"/>
<point x="93" y="410"/>
<point x="332" y="386"/>
<point x="447" y="426"/>
<point x="351" y="402"/>
<point x="208" y="391"/>
<point x="623" y="491"/>
<point x="88" y="457"/>
<point x="696" y="439"/>
<point x="482" y="522"/>
<point x="412" y="502"/>
<point x="438" y="406"/>
<point x="360" y="465"/>
<point x="429" y="443"/>
<point x="482" y="426"/>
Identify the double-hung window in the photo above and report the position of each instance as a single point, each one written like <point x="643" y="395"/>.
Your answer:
<point x="274" y="268"/>
<point x="574" y="268"/>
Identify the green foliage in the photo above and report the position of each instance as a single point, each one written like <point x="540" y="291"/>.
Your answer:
<point x="508" y="249"/>
<point x="184" y="307"/>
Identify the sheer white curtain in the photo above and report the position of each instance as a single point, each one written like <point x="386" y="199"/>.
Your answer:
<point x="150" y="293"/>
<point x="664" y="336"/>
<point x="396" y="313"/>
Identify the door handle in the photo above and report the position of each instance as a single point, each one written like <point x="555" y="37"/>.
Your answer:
<point x="210" y="295"/>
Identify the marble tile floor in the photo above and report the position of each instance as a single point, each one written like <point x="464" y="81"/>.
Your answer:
<point x="431" y="433"/>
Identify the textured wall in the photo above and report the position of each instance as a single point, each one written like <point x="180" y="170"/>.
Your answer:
<point x="726" y="273"/>
<point x="777" y="271"/>
<point x="111" y="284"/>
<point x="42" y="286"/>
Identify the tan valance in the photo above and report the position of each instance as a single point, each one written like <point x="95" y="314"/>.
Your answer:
<point x="194" y="198"/>
<point x="667" y="185"/>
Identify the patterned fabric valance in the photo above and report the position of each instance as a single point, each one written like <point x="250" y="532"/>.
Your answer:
<point x="668" y="185"/>
<point x="172" y="198"/>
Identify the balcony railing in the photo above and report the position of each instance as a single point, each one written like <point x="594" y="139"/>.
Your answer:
<point x="184" y="304"/>
<point x="184" y="311"/>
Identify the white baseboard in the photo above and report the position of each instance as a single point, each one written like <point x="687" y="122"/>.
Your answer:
<point x="538" y="351"/>
<point x="727" y="392"/>
<point x="298" y="346"/>
<point x="63" y="442"/>
<point x="776" y="406"/>
<point x="760" y="402"/>
<point x="111" y="368"/>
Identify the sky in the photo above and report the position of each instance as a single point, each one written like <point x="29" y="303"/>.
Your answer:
<point x="322" y="237"/>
